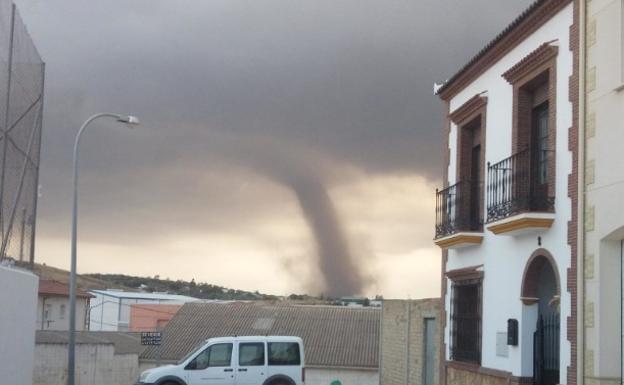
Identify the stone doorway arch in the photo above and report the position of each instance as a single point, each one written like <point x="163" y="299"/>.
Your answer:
<point x="540" y="281"/>
<point x="541" y="293"/>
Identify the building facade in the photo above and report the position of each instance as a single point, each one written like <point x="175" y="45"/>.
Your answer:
<point x="110" y="309"/>
<point x="602" y="185"/>
<point x="507" y="215"/>
<point x="53" y="306"/>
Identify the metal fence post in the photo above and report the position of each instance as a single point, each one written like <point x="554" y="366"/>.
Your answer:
<point x="33" y="229"/>
<point x="6" y="123"/>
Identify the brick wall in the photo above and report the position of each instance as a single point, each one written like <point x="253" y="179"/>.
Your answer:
<point x="402" y="341"/>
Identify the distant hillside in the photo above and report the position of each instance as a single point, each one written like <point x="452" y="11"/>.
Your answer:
<point x="84" y="281"/>
<point x="193" y="289"/>
<point x="156" y="284"/>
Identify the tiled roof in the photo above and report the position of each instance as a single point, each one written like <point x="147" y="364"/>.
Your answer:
<point x="125" y="342"/>
<point x="334" y="336"/>
<point x="509" y="30"/>
<point x="48" y="287"/>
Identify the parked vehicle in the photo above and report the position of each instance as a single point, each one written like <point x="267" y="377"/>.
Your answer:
<point x="262" y="360"/>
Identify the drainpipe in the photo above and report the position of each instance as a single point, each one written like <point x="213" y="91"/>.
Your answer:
<point x="408" y="307"/>
<point x="580" y="252"/>
<point x="42" y="311"/>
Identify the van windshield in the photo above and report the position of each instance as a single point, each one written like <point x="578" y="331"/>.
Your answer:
<point x="192" y="351"/>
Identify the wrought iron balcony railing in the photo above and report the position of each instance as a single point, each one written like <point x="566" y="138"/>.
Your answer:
<point x="521" y="183"/>
<point x="458" y="208"/>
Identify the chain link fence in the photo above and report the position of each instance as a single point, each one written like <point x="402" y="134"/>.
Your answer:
<point x="21" y="109"/>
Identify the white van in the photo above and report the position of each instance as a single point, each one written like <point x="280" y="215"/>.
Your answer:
<point x="267" y="360"/>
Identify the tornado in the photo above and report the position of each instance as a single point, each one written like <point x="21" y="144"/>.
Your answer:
<point x="341" y="274"/>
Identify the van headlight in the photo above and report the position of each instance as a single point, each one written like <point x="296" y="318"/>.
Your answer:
<point x="144" y="375"/>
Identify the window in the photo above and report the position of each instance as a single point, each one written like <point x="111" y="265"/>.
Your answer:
<point x="218" y="355"/>
<point x="466" y="321"/>
<point x="251" y="354"/>
<point x="540" y="123"/>
<point x="62" y="311"/>
<point x="47" y="311"/>
<point x="284" y="353"/>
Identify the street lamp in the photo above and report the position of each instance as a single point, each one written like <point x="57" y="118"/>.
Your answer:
<point x="71" y="366"/>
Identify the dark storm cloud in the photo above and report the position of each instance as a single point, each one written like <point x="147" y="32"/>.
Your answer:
<point x="350" y="80"/>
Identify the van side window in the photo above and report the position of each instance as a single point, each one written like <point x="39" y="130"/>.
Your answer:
<point x="251" y="354"/>
<point x="284" y="353"/>
<point x="214" y="356"/>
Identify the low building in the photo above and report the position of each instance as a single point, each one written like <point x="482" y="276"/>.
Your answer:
<point x="410" y="336"/>
<point x="110" y="309"/>
<point x="17" y="324"/>
<point x="53" y="306"/>
<point x="102" y="358"/>
<point x="341" y="343"/>
<point x="151" y="317"/>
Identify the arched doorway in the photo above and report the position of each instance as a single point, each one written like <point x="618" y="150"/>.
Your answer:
<point x="541" y="288"/>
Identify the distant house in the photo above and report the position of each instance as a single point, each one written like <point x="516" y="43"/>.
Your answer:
<point x="110" y="309"/>
<point x="53" y="306"/>
<point x="341" y="343"/>
<point x="151" y="317"/>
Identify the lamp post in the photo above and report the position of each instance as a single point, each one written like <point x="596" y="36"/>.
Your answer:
<point x="71" y="366"/>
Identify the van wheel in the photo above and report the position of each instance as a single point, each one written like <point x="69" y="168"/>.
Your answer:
<point x="280" y="382"/>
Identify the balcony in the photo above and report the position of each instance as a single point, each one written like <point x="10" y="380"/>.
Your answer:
<point x="458" y="215"/>
<point x="520" y="193"/>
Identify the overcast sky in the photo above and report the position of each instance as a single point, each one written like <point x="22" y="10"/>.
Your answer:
<point x="245" y="105"/>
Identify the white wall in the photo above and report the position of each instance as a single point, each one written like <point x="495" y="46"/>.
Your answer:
<point x="604" y="190"/>
<point x="315" y="376"/>
<point x="108" y="313"/>
<point x="58" y="313"/>
<point x="103" y="313"/>
<point x="505" y="257"/>
<point x="17" y="325"/>
<point x="96" y="364"/>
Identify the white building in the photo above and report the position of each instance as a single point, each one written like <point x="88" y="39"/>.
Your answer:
<point x="506" y="217"/>
<point x="602" y="185"/>
<point x="17" y="324"/>
<point x="110" y="309"/>
<point x="53" y="306"/>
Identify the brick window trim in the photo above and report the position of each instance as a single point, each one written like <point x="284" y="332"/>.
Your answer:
<point x="465" y="274"/>
<point x="469" y="110"/>
<point x="531" y="63"/>
<point x="521" y="75"/>
<point x="463" y="116"/>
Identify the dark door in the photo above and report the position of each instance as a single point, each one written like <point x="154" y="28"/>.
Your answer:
<point x="430" y="351"/>
<point x="546" y="350"/>
<point x="539" y="158"/>
<point x="475" y="193"/>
